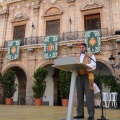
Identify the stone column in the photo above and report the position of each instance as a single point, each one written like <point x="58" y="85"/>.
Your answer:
<point x="3" y="20"/>
<point x="35" y="19"/>
<point x="30" y="80"/>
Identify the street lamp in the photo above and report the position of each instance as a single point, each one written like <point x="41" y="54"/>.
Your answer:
<point x="33" y="26"/>
<point x="70" y="23"/>
<point x="112" y="61"/>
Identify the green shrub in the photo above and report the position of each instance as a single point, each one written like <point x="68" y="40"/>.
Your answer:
<point x="9" y="86"/>
<point x="64" y="84"/>
<point x="109" y="81"/>
<point x="39" y="85"/>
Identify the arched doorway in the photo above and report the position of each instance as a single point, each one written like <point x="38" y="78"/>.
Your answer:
<point x="49" y="92"/>
<point x="52" y="97"/>
<point x="101" y="69"/>
<point x="104" y="70"/>
<point x="57" y="99"/>
<point x="20" y="94"/>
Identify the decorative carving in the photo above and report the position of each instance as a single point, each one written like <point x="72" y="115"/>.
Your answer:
<point x="4" y="13"/>
<point x="91" y="2"/>
<point x="91" y="5"/>
<point x="19" y="17"/>
<point x="36" y="8"/>
<point x="53" y="1"/>
<point x="39" y="1"/>
<point x="70" y="1"/>
<point x="53" y="11"/>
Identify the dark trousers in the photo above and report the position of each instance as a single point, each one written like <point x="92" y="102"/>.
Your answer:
<point x="82" y="87"/>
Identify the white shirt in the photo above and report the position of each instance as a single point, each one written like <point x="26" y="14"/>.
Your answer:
<point x="92" y="63"/>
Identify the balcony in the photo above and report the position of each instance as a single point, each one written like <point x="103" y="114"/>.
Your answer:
<point x="76" y="35"/>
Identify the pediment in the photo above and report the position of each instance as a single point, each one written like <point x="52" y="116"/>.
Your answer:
<point x="53" y="11"/>
<point x="91" y="5"/>
<point x="20" y="17"/>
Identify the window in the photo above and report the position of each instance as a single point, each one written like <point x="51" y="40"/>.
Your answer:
<point x="92" y="21"/>
<point x="53" y="27"/>
<point x="19" y="32"/>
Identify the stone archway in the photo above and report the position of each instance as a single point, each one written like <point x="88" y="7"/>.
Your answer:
<point x="21" y="79"/>
<point x="57" y="99"/>
<point x="105" y="69"/>
<point x="49" y="92"/>
<point x="52" y="97"/>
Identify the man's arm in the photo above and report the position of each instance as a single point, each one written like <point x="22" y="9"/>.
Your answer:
<point x="92" y="63"/>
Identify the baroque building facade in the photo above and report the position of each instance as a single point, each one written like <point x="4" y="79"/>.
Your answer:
<point x="32" y="20"/>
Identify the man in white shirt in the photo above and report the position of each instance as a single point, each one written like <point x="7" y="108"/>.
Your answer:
<point x="84" y="84"/>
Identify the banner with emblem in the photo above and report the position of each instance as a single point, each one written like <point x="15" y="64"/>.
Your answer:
<point x="50" y="46"/>
<point x="13" y="50"/>
<point x="93" y="41"/>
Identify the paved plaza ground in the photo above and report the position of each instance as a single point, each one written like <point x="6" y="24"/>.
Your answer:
<point x="26" y="112"/>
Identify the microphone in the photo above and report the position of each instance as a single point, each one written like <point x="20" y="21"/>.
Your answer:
<point x="82" y="52"/>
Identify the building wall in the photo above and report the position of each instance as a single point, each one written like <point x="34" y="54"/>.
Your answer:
<point x="19" y="12"/>
<point x="36" y="13"/>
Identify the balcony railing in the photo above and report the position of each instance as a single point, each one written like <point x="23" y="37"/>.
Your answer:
<point x="76" y="35"/>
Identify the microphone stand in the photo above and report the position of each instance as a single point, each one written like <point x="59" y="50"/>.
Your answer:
<point x="100" y="68"/>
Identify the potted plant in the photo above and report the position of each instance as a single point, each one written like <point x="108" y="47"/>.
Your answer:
<point x="39" y="85"/>
<point x="64" y="86"/>
<point x="9" y="86"/>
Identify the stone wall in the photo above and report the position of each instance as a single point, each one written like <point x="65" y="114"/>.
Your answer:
<point x="31" y="11"/>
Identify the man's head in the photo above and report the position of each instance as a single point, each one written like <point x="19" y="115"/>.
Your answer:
<point x="83" y="47"/>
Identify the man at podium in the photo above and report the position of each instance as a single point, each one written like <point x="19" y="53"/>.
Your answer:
<point x="84" y="84"/>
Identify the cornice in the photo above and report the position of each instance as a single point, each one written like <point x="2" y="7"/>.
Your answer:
<point x="10" y="1"/>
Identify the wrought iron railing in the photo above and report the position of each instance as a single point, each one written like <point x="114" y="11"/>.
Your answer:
<point x="76" y="35"/>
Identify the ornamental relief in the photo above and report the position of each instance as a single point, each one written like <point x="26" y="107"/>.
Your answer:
<point x="4" y="13"/>
<point x="53" y="1"/>
<point x="91" y="4"/>
<point x="55" y="10"/>
<point x="70" y="1"/>
<point x="19" y="17"/>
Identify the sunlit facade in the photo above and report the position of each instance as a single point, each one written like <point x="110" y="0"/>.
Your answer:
<point x="32" y="20"/>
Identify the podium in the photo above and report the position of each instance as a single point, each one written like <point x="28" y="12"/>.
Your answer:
<point x="70" y="64"/>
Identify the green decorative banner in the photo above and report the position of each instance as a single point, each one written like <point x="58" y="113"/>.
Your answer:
<point x="51" y="46"/>
<point x="93" y="41"/>
<point x="13" y="49"/>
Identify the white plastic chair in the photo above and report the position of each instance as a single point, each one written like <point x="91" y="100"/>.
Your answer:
<point x="113" y="99"/>
<point x="105" y="99"/>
